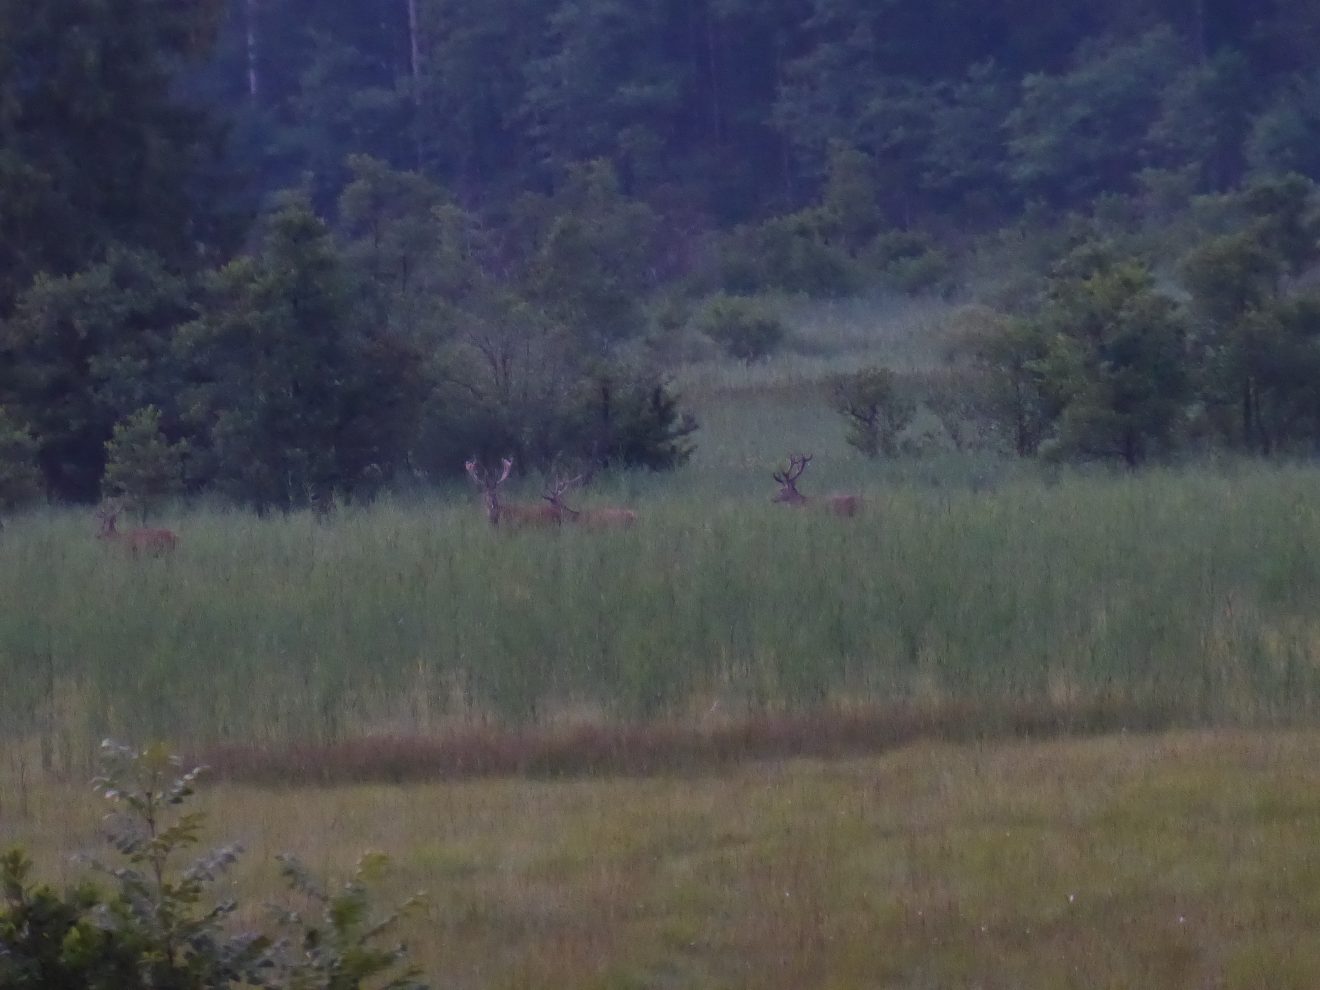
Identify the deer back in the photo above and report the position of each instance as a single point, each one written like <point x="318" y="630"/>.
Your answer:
<point x="607" y="518"/>
<point x="844" y="505"/>
<point x="517" y="515"/>
<point x="137" y="541"/>
<point x="155" y="542"/>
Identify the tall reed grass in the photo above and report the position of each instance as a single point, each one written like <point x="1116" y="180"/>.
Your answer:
<point x="1194" y="589"/>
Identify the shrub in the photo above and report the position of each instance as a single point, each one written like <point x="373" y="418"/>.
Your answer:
<point x="877" y="408"/>
<point x="142" y="467"/>
<point x="20" y="480"/>
<point x="743" y="327"/>
<point x="910" y="262"/>
<point x="160" y="925"/>
<point x="787" y="253"/>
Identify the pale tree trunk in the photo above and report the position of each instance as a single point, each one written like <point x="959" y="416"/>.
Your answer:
<point x="414" y="49"/>
<point x="415" y="62"/>
<point x="253" y="79"/>
<point x="1199" y="28"/>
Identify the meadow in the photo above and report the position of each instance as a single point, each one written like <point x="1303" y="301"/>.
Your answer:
<point x="1183" y="860"/>
<point x="632" y="793"/>
<point x="1191" y="592"/>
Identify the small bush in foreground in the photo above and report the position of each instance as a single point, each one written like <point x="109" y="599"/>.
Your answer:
<point x="160" y="925"/>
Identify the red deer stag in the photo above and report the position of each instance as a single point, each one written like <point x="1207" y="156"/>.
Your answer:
<point x="608" y="517"/>
<point x="840" y="505"/>
<point x="513" y="515"/>
<point x="155" y="542"/>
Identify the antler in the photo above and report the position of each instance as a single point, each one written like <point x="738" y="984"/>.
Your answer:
<point x="797" y="463"/>
<point x="479" y="475"/>
<point x="475" y="471"/>
<point x="555" y="487"/>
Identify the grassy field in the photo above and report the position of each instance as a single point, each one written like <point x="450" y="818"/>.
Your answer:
<point x="605" y="733"/>
<point x="1188" y="591"/>
<point x="1184" y="860"/>
<point x="1191" y="589"/>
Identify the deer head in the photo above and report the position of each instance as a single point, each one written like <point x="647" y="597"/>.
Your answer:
<point x="841" y="505"/>
<point x="510" y="514"/>
<point x="152" y="541"/>
<point x="490" y="489"/>
<point x="107" y="514"/>
<point x="787" y="479"/>
<point x="606" y="517"/>
<point x="554" y="494"/>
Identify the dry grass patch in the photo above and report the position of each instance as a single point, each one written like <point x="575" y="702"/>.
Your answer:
<point x="1120" y="861"/>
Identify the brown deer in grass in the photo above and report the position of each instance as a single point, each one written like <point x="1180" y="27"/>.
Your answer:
<point x="840" y="505"/>
<point x="155" y="542"/>
<point x="607" y="517"/>
<point x="512" y="515"/>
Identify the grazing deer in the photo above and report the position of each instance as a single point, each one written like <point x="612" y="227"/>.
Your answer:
<point x="840" y="505"/>
<point x="155" y="542"/>
<point x="510" y="514"/>
<point x="609" y="517"/>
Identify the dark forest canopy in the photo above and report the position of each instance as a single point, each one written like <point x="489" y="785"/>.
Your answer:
<point x="317" y="245"/>
<point x="728" y="107"/>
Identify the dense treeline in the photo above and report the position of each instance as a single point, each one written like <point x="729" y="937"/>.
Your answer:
<point x="727" y="108"/>
<point x="296" y="247"/>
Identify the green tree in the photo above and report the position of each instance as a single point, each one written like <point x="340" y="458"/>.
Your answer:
<point x="1204" y="120"/>
<point x="142" y="466"/>
<point x="877" y="408"/>
<point x="1116" y="360"/>
<point x="589" y="254"/>
<point x="80" y="352"/>
<point x="398" y="236"/>
<point x="627" y="417"/>
<point x="20" y="481"/>
<point x="787" y="253"/>
<point x="293" y="396"/>
<point x="1285" y="137"/>
<point x="743" y="327"/>
<point x="1007" y="354"/>
<point x="161" y="924"/>
<point x="98" y="147"/>
<point x="850" y="209"/>
<point x="1253" y="337"/>
<point x="1079" y="133"/>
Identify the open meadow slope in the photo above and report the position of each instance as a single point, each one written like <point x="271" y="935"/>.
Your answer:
<point x="970" y="602"/>
<point x="1188" y="591"/>
<point x="1191" y="590"/>
<point x="1183" y="860"/>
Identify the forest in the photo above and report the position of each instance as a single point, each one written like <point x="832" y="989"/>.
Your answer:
<point x="1014" y="680"/>
<point x="281" y="250"/>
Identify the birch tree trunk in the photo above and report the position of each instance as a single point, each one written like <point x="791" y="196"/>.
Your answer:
<point x="253" y="80"/>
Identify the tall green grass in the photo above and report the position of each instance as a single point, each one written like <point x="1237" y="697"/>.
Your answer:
<point x="1197" y="589"/>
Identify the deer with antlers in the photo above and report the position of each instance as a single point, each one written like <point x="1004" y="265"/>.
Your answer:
<point x="607" y="517"/>
<point x="840" y="505"/>
<point x="154" y="542"/>
<point x="514" y="515"/>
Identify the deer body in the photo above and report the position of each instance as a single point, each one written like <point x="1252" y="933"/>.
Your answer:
<point x="511" y="515"/>
<point x="605" y="518"/>
<point x="552" y="513"/>
<point x="155" y="542"/>
<point x="608" y="517"/>
<point x="515" y="515"/>
<point x="840" y="505"/>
